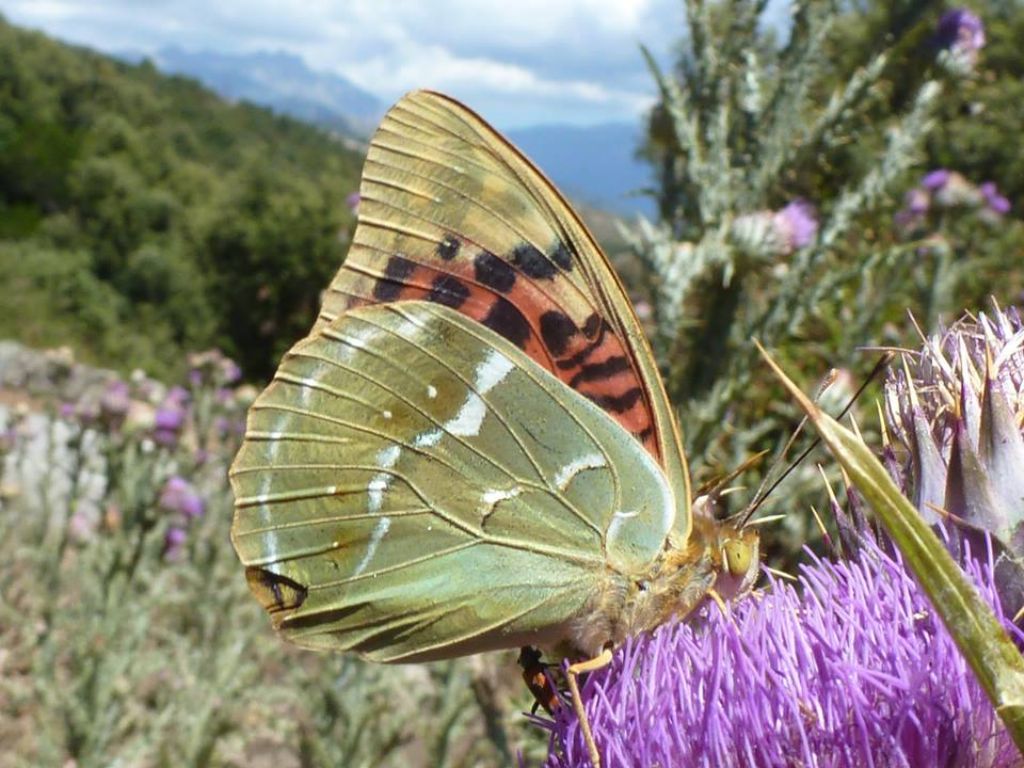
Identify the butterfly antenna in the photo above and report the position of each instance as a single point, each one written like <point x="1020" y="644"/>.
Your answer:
<point x="716" y="484"/>
<point x="762" y="493"/>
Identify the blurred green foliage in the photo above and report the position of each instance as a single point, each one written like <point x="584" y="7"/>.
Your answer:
<point x="142" y="216"/>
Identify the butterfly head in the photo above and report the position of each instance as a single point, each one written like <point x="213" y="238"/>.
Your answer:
<point x="737" y="559"/>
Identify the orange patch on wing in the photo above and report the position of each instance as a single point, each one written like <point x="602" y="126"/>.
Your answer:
<point x="587" y="356"/>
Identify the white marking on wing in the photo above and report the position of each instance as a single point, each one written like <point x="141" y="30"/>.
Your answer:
<point x="428" y="439"/>
<point x="379" y="483"/>
<point x="491" y="498"/>
<point x="375" y="492"/>
<point x="491" y="371"/>
<point x="617" y="520"/>
<point x="376" y="537"/>
<point x="386" y="414"/>
<point x="388" y="457"/>
<point x="467" y="422"/>
<point x="273" y="445"/>
<point x="305" y="388"/>
<point x="431" y="391"/>
<point x="565" y="475"/>
<point x="360" y="337"/>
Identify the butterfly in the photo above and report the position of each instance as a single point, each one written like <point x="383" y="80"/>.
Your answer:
<point x="472" y="450"/>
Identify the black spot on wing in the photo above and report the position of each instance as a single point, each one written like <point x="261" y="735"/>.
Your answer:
<point x="600" y="371"/>
<point x="275" y="592"/>
<point x="556" y="329"/>
<point x="616" y="403"/>
<point x="503" y="318"/>
<point x="533" y="263"/>
<point x="448" y="248"/>
<point x="494" y="272"/>
<point x="598" y="327"/>
<point x="448" y="290"/>
<point x="562" y="257"/>
<point x="397" y="270"/>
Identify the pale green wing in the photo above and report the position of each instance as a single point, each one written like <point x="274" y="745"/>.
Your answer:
<point x="412" y="486"/>
<point x="442" y="190"/>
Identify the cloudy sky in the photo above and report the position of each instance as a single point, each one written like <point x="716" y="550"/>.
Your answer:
<point x="520" y="62"/>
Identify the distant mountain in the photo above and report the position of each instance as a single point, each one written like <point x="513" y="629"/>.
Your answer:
<point x="596" y="165"/>
<point x="281" y="81"/>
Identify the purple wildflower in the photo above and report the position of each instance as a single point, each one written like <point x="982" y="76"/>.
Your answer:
<point x="178" y="495"/>
<point x="195" y="378"/>
<point x="954" y="412"/>
<point x="776" y="233"/>
<point x="935" y="180"/>
<point x="960" y="29"/>
<point x="851" y="667"/>
<point x="956" y="191"/>
<point x="169" y="418"/>
<point x="115" y="400"/>
<point x="918" y="200"/>
<point x="177" y="395"/>
<point x="352" y="201"/>
<point x="230" y="372"/>
<point x="796" y="225"/>
<point x="174" y="543"/>
<point x="995" y="202"/>
<point x="961" y="35"/>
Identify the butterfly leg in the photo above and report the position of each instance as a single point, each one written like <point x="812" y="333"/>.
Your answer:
<point x="601" y="660"/>
<point x="718" y="601"/>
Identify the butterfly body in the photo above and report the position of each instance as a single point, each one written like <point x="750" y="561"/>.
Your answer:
<point x="472" y="449"/>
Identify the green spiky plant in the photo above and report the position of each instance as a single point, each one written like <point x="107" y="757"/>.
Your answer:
<point x="744" y="125"/>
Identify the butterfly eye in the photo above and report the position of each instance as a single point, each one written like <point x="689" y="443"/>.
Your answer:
<point x="737" y="557"/>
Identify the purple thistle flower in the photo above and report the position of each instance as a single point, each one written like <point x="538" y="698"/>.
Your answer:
<point x="918" y="201"/>
<point x="178" y="495"/>
<point x="960" y="29"/>
<point x="174" y="543"/>
<point x="230" y="372"/>
<point x="776" y="233"/>
<point x="961" y="35"/>
<point x="851" y="667"/>
<point x="169" y="418"/>
<point x="996" y="202"/>
<point x="954" y="413"/>
<point x="116" y="399"/>
<point x="178" y="395"/>
<point x="222" y="426"/>
<point x="935" y="180"/>
<point x="796" y="225"/>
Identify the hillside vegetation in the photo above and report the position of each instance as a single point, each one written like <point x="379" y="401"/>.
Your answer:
<point x="142" y="216"/>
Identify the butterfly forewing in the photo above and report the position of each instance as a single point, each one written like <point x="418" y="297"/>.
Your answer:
<point x="451" y="213"/>
<point x="414" y="486"/>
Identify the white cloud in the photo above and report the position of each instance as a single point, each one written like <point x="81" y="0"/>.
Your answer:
<point x="518" y="63"/>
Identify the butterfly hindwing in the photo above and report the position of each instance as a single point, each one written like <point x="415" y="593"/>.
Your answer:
<point x="453" y="214"/>
<point x="412" y="486"/>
